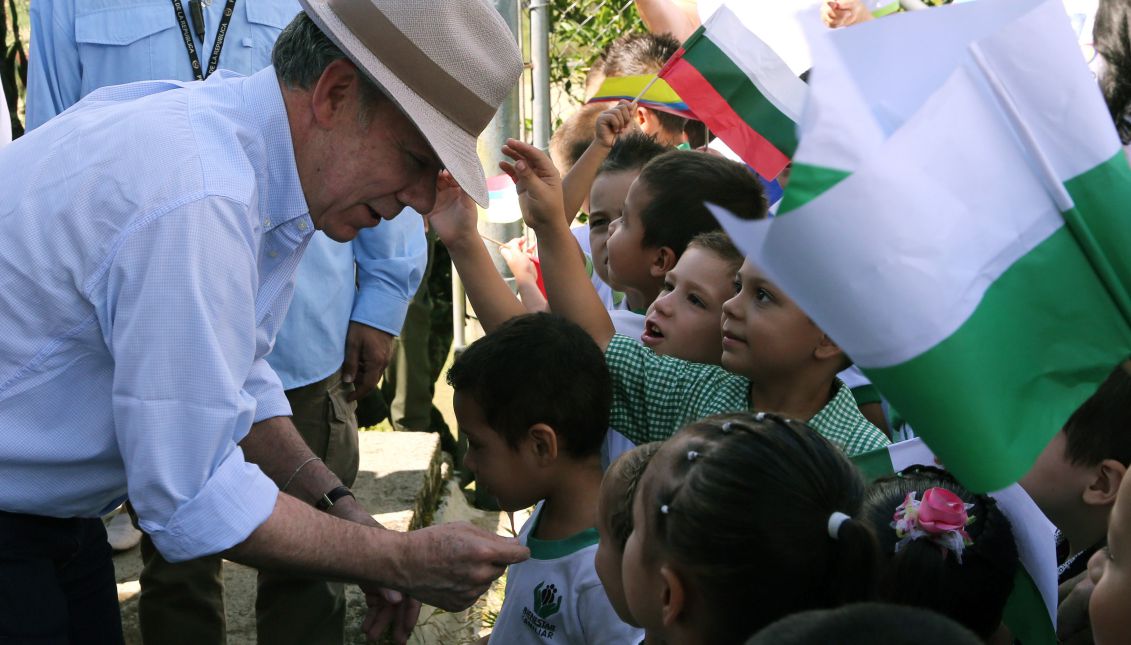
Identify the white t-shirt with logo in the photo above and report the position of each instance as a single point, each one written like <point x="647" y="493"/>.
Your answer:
<point x="556" y="596"/>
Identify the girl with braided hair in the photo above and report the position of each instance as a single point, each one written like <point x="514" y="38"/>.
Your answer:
<point x="740" y="520"/>
<point x="943" y="548"/>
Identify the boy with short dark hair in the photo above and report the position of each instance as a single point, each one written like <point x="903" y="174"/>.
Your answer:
<point x="665" y="208"/>
<point x="533" y="397"/>
<point x="1076" y="477"/>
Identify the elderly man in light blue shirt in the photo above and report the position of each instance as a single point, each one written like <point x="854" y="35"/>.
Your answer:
<point x="151" y="238"/>
<point x="80" y="47"/>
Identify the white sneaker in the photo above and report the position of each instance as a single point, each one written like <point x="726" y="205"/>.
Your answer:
<point x="120" y="532"/>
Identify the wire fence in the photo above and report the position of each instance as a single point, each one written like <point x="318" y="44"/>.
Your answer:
<point x="579" y="31"/>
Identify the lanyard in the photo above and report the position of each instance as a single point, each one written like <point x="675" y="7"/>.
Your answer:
<point x="198" y="22"/>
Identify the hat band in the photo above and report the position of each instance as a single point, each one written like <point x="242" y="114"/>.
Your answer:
<point x="412" y="66"/>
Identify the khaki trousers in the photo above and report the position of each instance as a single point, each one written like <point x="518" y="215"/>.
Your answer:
<point x="184" y="602"/>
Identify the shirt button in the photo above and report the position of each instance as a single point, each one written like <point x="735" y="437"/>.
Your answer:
<point x="272" y="254"/>
<point x="302" y="226"/>
<point x="267" y="222"/>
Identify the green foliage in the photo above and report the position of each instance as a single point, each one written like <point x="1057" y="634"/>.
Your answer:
<point x="13" y="56"/>
<point x="581" y="29"/>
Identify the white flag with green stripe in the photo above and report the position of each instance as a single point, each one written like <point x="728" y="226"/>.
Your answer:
<point x="1030" y="612"/>
<point x="959" y="221"/>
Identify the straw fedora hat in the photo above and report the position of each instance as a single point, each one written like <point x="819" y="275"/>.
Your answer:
<point x="448" y="65"/>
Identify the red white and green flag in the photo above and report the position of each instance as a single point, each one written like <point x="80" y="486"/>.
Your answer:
<point x="745" y="93"/>
<point x="1030" y="611"/>
<point x="958" y="222"/>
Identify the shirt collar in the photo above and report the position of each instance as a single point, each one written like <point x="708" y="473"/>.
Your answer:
<point x="841" y="404"/>
<point x="285" y="199"/>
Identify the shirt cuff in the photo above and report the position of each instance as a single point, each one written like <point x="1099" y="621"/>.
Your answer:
<point x="270" y="400"/>
<point x="234" y="501"/>
<point x="384" y="311"/>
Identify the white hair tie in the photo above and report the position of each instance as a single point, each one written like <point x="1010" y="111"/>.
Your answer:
<point x="835" y="520"/>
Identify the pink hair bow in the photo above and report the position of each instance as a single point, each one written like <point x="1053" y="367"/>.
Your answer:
<point x="940" y="517"/>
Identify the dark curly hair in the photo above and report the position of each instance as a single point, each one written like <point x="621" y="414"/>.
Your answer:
<point x="539" y="368"/>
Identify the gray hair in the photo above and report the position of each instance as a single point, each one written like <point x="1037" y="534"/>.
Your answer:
<point x="302" y="52"/>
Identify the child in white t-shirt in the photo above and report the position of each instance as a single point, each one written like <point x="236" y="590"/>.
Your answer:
<point x="534" y="436"/>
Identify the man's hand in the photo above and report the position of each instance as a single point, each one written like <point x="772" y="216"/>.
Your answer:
<point x="451" y="565"/>
<point x="614" y="122"/>
<point x="454" y="216"/>
<point x="537" y="181"/>
<point x="368" y="351"/>
<point x="389" y="608"/>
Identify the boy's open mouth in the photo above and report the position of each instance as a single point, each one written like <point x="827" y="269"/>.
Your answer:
<point x="652" y="334"/>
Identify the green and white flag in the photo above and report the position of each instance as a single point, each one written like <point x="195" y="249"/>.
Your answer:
<point x="959" y="221"/>
<point x="1030" y="611"/>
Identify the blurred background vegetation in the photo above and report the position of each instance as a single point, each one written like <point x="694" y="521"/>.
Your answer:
<point x="13" y="62"/>
<point x="580" y="30"/>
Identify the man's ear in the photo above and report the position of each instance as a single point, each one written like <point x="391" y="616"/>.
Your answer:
<point x="1108" y="475"/>
<point x="333" y="91"/>
<point x="673" y="596"/>
<point x="663" y="260"/>
<point x="826" y="348"/>
<point x="543" y="443"/>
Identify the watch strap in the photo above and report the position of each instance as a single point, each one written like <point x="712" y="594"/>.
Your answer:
<point x="328" y="499"/>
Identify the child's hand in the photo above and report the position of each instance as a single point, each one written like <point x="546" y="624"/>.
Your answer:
<point x="614" y="122"/>
<point x="843" y="13"/>
<point x="454" y="216"/>
<point x="538" y="184"/>
<point x="517" y="255"/>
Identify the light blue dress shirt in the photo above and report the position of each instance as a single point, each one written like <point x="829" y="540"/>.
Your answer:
<point x="79" y="46"/>
<point x="150" y="240"/>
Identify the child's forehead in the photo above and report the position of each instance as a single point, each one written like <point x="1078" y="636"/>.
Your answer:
<point x="751" y="271"/>
<point x="698" y="261"/>
<point x="753" y="274"/>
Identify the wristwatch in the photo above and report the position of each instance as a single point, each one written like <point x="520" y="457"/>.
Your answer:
<point x="327" y="501"/>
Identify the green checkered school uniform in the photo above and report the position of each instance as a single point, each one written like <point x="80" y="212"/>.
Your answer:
<point x="653" y="396"/>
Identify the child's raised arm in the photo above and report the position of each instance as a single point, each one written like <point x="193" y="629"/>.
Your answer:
<point x="611" y="124"/>
<point x="525" y="275"/>
<point x="454" y="218"/>
<point x="568" y="287"/>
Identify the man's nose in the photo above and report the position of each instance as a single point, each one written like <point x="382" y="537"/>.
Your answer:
<point x="421" y="194"/>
